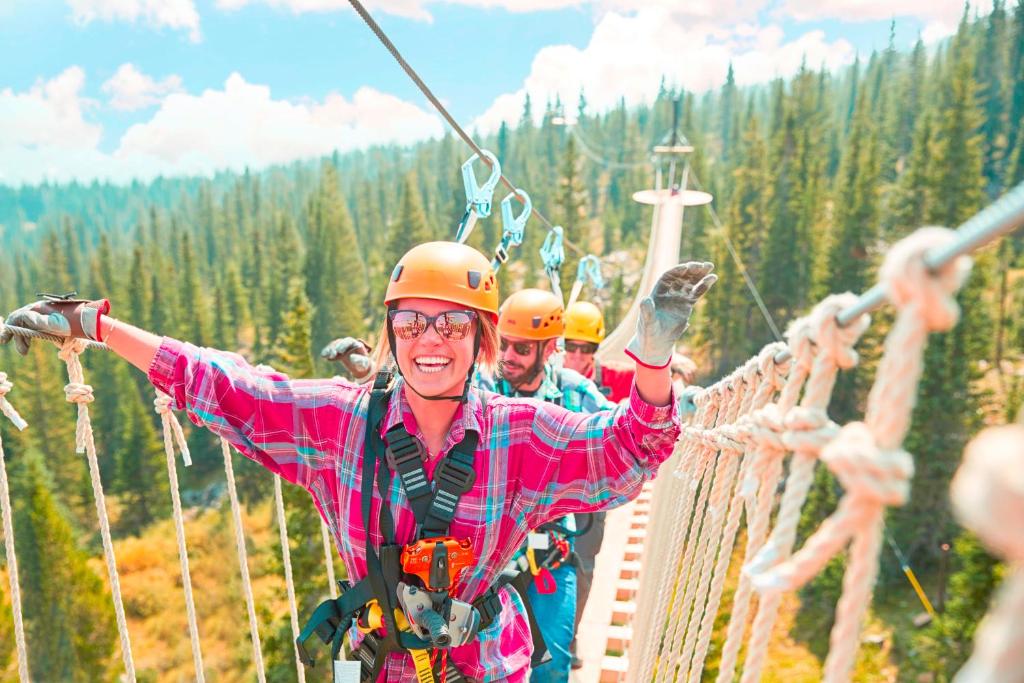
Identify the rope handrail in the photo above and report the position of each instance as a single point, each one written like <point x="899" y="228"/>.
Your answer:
<point x="1000" y="218"/>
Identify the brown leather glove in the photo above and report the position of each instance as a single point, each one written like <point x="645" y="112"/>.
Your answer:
<point x="58" y="316"/>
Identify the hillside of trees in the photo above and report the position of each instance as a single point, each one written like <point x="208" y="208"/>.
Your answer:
<point x="813" y="176"/>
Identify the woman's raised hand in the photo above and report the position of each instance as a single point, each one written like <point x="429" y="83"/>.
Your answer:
<point x="59" y="316"/>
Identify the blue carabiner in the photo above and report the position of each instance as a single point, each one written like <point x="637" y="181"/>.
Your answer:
<point x="552" y="254"/>
<point x="514" y="226"/>
<point x="478" y="197"/>
<point x="590" y="269"/>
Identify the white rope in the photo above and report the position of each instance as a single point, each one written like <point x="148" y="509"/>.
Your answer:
<point x="12" y="559"/>
<point x="709" y="523"/>
<point x="766" y="427"/>
<point x="732" y="395"/>
<point x="328" y="557"/>
<point x="662" y="560"/>
<point x="808" y="429"/>
<point x="866" y="457"/>
<point x="770" y="375"/>
<point x="243" y="563"/>
<point x="79" y="393"/>
<point x="696" y="478"/>
<point x="988" y="497"/>
<point x="286" y="557"/>
<point x="172" y="428"/>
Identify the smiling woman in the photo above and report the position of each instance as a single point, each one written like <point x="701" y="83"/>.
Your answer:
<point x="428" y="485"/>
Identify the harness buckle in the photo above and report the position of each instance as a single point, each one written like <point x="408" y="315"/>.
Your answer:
<point x="402" y="448"/>
<point x="461" y="475"/>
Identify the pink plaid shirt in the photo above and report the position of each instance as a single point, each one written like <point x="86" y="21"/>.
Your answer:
<point x="535" y="462"/>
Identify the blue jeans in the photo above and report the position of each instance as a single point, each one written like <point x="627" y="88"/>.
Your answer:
<point x="556" y="615"/>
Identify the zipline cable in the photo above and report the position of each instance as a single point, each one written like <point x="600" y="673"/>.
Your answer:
<point x="765" y="313"/>
<point x="386" y="42"/>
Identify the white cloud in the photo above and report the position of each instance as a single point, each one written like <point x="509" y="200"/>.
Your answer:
<point x="410" y="9"/>
<point x="937" y="13"/>
<point x="46" y="136"/>
<point x="628" y="55"/>
<point x="242" y="124"/>
<point x="50" y="113"/>
<point x="174" y="14"/>
<point x="130" y="89"/>
<point x="940" y="17"/>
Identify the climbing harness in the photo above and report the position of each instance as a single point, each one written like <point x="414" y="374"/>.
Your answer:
<point x="478" y="197"/>
<point x="405" y="602"/>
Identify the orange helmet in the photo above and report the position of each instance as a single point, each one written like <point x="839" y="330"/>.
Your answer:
<point x="447" y="271"/>
<point x="532" y="314"/>
<point x="584" y="322"/>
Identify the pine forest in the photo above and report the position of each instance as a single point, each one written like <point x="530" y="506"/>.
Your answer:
<point x="814" y="177"/>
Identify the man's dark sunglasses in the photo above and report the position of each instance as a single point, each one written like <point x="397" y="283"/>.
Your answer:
<point x="521" y="348"/>
<point x="580" y="347"/>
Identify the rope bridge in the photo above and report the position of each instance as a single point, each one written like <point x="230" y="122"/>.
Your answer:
<point x="727" y="467"/>
<point x="729" y="464"/>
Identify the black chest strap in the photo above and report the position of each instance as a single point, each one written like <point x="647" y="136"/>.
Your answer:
<point x="434" y="508"/>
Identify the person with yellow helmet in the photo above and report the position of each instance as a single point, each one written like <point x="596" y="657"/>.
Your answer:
<point x="584" y="332"/>
<point x="530" y="322"/>
<point x="429" y="486"/>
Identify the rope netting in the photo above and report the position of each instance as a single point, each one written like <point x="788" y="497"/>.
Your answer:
<point x="730" y="462"/>
<point x="81" y="394"/>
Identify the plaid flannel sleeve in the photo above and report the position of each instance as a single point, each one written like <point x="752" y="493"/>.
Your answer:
<point x="573" y="462"/>
<point x="292" y="427"/>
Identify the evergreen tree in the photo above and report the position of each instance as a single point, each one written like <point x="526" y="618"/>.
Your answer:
<point x="730" y="311"/>
<point x="990" y="73"/>
<point x="193" y="300"/>
<point x="408" y="229"/>
<point x="728" y="115"/>
<point x="570" y="208"/>
<point x="292" y="353"/>
<point x="68" y="617"/>
<point x="939" y="434"/>
<point x="946" y="644"/>
<point x="783" y="275"/>
<point x="237" y="311"/>
<point x="141" y="466"/>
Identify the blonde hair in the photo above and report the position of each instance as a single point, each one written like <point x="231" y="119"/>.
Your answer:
<point x="486" y="357"/>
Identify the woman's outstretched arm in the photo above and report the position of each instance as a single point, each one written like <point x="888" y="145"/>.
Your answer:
<point x="134" y="344"/>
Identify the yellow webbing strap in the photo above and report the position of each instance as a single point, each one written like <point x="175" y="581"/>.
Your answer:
<point x="424" y="670"/>
<point x="532" y="559"/>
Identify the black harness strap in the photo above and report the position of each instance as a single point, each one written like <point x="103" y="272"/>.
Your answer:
<point x="434" y="509"/>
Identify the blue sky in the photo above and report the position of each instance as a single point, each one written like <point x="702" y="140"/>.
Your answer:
<point x="117" y="89"/>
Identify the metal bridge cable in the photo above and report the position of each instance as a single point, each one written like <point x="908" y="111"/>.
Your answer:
<point x="599" y="159"/>
<point x="1004" y="216"/>
<point x="739" y="264"/>
<point x="379" y="32"/>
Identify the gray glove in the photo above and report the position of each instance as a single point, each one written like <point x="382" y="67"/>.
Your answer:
<point x="57" y="316"/>
<point x="665" y="314"/>
<point x="353" y="353"/>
